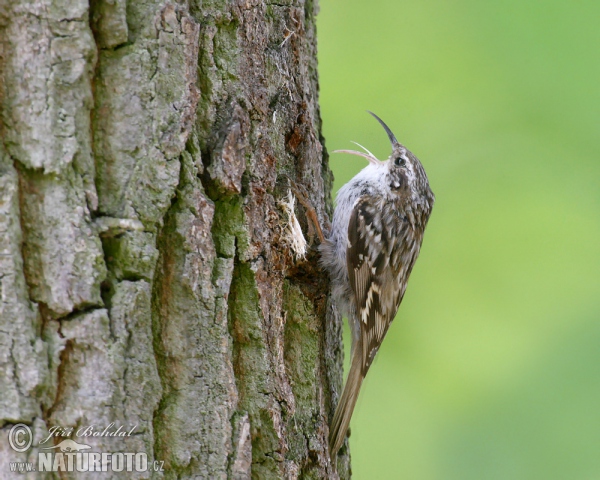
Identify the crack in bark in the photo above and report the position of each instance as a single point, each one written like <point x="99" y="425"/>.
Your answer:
<point x="60" y="376"/>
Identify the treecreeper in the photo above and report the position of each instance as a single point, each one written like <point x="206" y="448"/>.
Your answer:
<point x="372" y="246"/>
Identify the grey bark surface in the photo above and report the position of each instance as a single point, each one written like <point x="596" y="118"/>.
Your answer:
<point x="147" y="277"/>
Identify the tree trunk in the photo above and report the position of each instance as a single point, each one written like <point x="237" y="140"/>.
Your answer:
<point x="148" y="273"/>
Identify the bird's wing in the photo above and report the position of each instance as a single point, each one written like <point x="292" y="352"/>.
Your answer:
<point x="376" y="266"/>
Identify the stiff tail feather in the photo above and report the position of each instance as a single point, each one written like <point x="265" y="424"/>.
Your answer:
<point x="345" y="407"/>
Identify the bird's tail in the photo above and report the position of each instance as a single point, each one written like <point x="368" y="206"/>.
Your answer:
<point x="345" y="407"/>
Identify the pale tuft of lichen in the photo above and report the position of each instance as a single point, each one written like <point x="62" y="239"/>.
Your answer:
<point x="292" y="229"/>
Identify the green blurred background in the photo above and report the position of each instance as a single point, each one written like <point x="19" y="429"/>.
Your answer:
<point x="492" y="368"/>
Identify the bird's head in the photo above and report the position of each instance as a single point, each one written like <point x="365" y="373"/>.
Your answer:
<point x="405" y="174"/>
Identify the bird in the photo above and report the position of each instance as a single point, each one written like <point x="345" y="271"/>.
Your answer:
<point x="374" y="240"/>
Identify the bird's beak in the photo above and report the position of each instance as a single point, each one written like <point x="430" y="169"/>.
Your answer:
<point x="368" y="155"/>
<point x="387" y="130"/>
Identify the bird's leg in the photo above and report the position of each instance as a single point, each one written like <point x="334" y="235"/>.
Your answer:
<point x="311" y="213"/>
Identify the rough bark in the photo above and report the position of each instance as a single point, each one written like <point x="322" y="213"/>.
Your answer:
<point x="146" y="272"/>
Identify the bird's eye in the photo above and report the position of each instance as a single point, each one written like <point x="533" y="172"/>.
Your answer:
<point x="400" y="161"/>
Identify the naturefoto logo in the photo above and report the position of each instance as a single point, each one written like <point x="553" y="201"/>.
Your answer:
<point x="71" y="456"/>
<point x="69" y="446"/>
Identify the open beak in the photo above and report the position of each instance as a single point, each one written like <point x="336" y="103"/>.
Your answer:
<point x="368" y="155"/>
